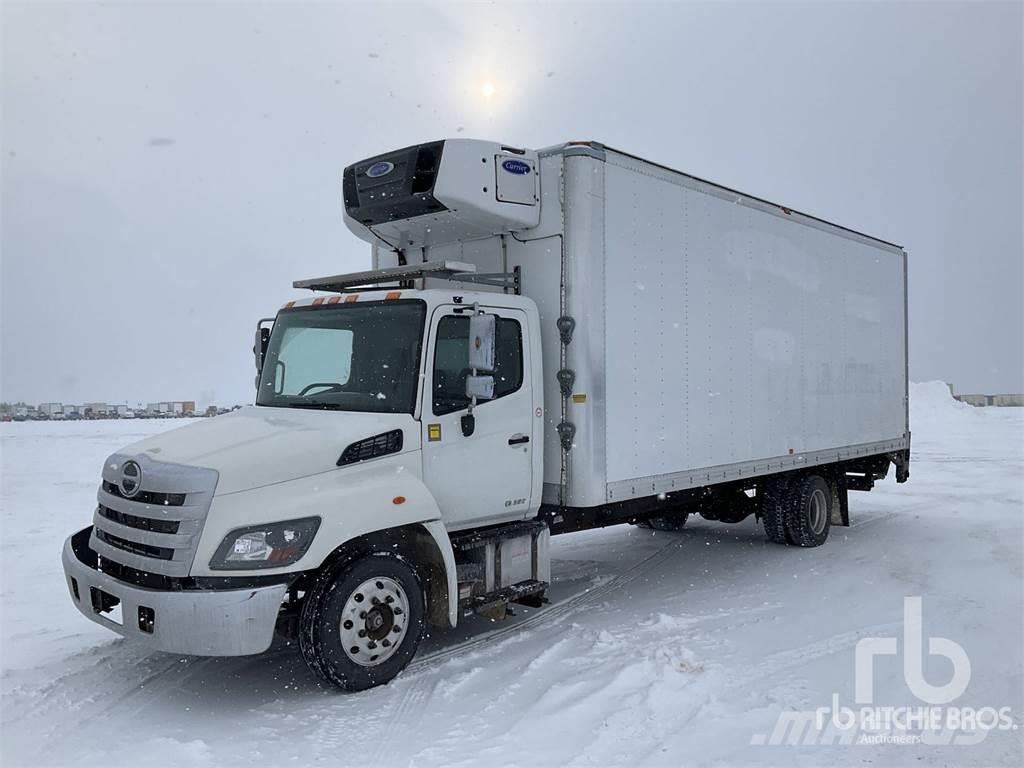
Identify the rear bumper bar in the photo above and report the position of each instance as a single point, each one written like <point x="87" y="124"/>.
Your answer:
<point x="221" y="622"/>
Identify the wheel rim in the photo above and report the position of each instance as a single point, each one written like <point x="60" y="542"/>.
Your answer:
<point x="818" y="511"/>
<point x="374" y="621"/>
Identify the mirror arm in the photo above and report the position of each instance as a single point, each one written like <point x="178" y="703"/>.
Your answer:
<point x="472" y="399"/>
<point x="468" y="422"/>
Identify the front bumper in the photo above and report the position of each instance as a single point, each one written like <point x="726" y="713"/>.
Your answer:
<point x="221" y="622"/>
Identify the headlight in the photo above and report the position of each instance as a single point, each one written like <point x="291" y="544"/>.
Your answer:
<point x="265" y="546"/>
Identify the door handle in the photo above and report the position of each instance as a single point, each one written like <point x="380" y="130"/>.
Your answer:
<point x="518" y="439"/>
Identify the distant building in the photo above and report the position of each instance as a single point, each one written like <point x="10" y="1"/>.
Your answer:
<point x="1016" y="400"/>
<point x="982" y="401"/>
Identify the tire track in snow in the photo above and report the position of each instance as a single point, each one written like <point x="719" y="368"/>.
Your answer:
<point x="548" y="615"/>
<point x="48" y="697"/>
<point x="783" y="661"/>
<point x="178" y="672"/>
<point x="409" y="709"/>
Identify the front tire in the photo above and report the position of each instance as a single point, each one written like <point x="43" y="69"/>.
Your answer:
<point x="362" y="621"/>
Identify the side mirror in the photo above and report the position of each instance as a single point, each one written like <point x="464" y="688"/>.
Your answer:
<point x="480" y="387"/>
<point x="482" y="333"/>
<point x="259" y="349"/>
<point x="481" y="342"/>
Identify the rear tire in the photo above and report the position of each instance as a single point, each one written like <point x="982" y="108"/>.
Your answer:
<point x="808" y="511"/>
<point x="362" y="621"/>
<point x="774" y="491"/>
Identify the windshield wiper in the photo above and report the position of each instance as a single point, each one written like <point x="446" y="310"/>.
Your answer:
<point x="318" y="404"/>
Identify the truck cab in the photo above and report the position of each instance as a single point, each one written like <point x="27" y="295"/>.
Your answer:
<point x="397" y="363"/>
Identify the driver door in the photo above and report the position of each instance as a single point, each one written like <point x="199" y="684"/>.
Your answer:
<point x="487" y="476"/>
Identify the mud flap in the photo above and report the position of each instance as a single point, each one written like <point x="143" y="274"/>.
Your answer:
<point x="902" y="462"/>
<point x="840" y="501"/>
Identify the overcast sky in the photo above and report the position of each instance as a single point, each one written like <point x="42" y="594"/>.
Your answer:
<point x="168" y="170"/>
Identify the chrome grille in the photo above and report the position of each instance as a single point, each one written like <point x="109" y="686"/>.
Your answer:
<point x="142" y="523"/>
<point x="148" y="497"/>
<point x="161" y="553"/>
<point x="157" y="531"/>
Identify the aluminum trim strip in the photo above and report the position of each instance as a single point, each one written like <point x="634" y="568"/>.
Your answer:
<point x="695" y="478"/>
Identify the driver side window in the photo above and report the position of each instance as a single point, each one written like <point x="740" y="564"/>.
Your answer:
<point x="451" y="353"/>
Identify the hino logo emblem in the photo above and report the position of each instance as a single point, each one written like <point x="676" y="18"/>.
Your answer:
<point x="379" y="169"/>
<point x="131" y="479"/>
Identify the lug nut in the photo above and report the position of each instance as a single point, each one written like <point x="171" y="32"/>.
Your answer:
<point x="347" y="624"/>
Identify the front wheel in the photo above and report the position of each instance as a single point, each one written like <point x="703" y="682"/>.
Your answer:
<point x="361" y="622"/>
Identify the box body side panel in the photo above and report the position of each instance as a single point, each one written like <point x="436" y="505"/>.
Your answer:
<point x="735" y="335"/>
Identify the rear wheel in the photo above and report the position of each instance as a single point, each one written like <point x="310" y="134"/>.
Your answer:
<point x="773" y="493"/>
<point x="362" y="621"/>
<point x="808" y="511"/>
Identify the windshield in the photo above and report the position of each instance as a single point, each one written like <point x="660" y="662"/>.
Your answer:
<point x="349" y="357"/>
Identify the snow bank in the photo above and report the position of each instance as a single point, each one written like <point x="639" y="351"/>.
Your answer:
<point x="936" y="416"/>
<point x="932" y="399"/>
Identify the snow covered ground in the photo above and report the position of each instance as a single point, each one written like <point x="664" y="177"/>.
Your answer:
<point x="659" y="649"/>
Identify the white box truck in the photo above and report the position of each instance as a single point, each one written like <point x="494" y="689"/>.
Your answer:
<point x="548" y="341"/>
